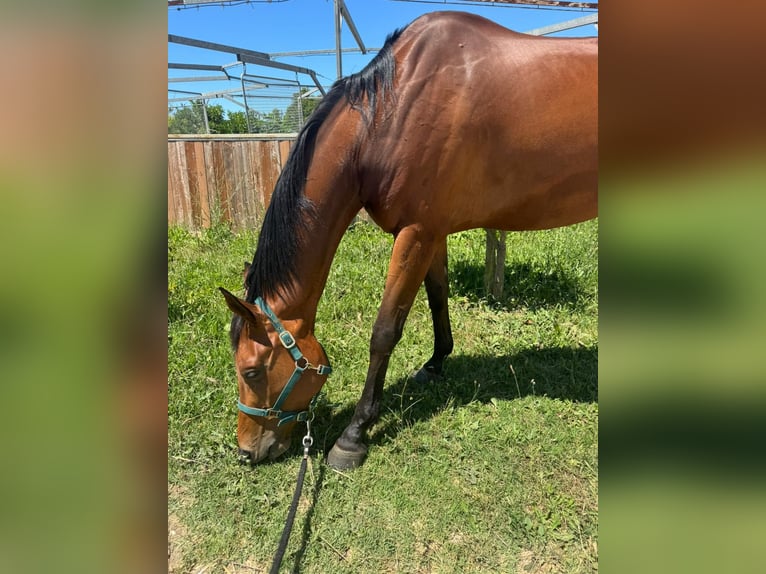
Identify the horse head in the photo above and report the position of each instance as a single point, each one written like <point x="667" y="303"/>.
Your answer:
<point x="280" y="370"/>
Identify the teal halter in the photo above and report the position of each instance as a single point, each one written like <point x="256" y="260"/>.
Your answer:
<point x="301" y="365"/>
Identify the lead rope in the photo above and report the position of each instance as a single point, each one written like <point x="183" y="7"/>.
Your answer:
<point x="307" y="442"/>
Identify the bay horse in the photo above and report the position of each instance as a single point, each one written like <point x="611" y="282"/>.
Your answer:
<point x="457" y="123"/>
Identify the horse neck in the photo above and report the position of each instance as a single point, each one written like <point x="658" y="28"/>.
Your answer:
<point x="334" y="195"/>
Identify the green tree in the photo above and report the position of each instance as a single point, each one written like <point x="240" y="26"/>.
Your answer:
<point x="187" y="120"/>
<point x="237" y="123"/>
<point x="298" y="111"/>
<point x="216" y="120"/>
<point x="266" y="123"/>
<point x="191" y="120"/>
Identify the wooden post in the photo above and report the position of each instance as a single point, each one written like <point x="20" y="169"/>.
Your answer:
<point x="494" y="263"/>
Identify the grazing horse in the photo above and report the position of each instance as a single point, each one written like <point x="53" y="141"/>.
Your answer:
<point x="457" y="123"/>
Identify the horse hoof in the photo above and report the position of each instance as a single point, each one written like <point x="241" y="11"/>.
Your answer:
<point x="341" y="459"/>
<point x="423" y="376"/>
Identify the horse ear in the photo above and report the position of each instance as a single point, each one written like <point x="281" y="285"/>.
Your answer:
<point x="250" y="313"/>
<point x="247" y="311"/>
<point x="245" y="271"/>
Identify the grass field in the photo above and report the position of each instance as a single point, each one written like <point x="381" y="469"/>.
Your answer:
<point x="491" y="469"/>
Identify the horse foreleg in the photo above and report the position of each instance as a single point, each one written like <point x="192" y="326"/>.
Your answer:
<point x="412" y="255"/>
<point x="437" y="289"/>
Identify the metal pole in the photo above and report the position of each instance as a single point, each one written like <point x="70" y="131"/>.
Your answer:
<point x="204" y="116"/>
<point x="244" y="97"/>
<point x="300" y="103"/>
<point x="351" y="26"/>
<point x="568" y="25"/>
<point x="338" y="20"/>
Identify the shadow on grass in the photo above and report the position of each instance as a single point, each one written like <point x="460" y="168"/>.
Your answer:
<point x="558" y="373"/>
<point x="524" y="285"/>
<point x="561" y="373"/>
<point x="306" y="531"/>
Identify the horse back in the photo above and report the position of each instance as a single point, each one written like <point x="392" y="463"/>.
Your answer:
<point x="486" y="128"/>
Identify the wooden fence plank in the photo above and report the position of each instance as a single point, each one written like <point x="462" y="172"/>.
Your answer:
<point x="200" y="171"/>
<point x="171" y="196"/>
<point x="246" y="184"/>
<point x="257" y="169"/>
<point x="284" y="152"/>
<point x="214" y="199"/>
<point x="221" y="181"/>
<point x="193" y="179"/>
<point x="180" y="183"/>
<point x="252" y="196"/>
<point x="231" y="168"/>
<point x="230" y="179"/>
<point x="270" y="168"/>
<point x="174" y="185"/>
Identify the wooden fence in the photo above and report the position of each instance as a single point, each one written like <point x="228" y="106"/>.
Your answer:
<point x="223" y="178"/>
<point x="231" y="179"/>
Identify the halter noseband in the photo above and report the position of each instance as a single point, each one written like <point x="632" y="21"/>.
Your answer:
<point x="301" y="365"/>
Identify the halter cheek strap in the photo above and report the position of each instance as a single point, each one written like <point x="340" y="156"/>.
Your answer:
<point x="301" y="365"/>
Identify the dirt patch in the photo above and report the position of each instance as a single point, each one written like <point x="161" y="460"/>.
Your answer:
<point x="529" y="563"/>
<point x="178" y="535"/>
<point x="248" y="567"/>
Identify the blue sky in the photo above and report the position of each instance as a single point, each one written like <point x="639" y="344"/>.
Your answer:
<point x="308" y="25"/>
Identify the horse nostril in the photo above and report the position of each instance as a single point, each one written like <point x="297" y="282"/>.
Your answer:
<point x="245" y="456"/>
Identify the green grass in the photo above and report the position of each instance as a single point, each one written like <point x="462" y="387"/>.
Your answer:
<point x="492" y="469"/>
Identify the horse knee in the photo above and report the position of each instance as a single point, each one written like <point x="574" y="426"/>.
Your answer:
<point x="384" y="339"/>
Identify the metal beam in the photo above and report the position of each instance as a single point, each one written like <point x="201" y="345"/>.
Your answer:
<point x="233" y="91"/>
<point x="338" y="23"/>
<point x="189" y="99"/>
<point x="244" y="55"/>
<point x="308" y="94"/>
<point x="273" y="64"/>
<point x="509" y="3"/>
<point x="192" y="2"/>
<point x="217" y="47"/>
<point x="552" y="3"/>
<point x="192" y="79"/>
<point x="205" y="67"/>
<point x="211" y="95"/>
<point x="204" y="116"/>
<point x="187" y="2"/>
<point x="260" y="78"/>
<point x="183" y="92"/>
<point x="198" y="3"/>
<point x="351" y="26"/>
<point x="233" y="100"/>
<point x="200" y="79"/>
<point x="281" y="66"/>
<point x="568" y="25"/>
<point x="327" y="52"/>
<point x="316" y="82"/>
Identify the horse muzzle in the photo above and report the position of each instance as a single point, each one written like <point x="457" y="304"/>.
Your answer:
<point x="269" y="445"/>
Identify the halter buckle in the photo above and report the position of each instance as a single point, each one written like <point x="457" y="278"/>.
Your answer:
<point x="287" y="339"/>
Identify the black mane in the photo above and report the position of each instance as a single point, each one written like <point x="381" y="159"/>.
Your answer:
<point x="376" y="78"/>
<point x="290" y="213"/>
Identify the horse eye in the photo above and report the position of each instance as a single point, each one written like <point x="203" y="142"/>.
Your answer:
<point x="252" y="374"/>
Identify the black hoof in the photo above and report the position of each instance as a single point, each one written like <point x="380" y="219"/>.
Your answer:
<point x="425" y="375"/>
<point x="341" y="459"/>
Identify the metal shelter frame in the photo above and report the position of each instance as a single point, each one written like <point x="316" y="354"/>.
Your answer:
<point x="246" y="56"/>
<point x="250" y="82"/>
